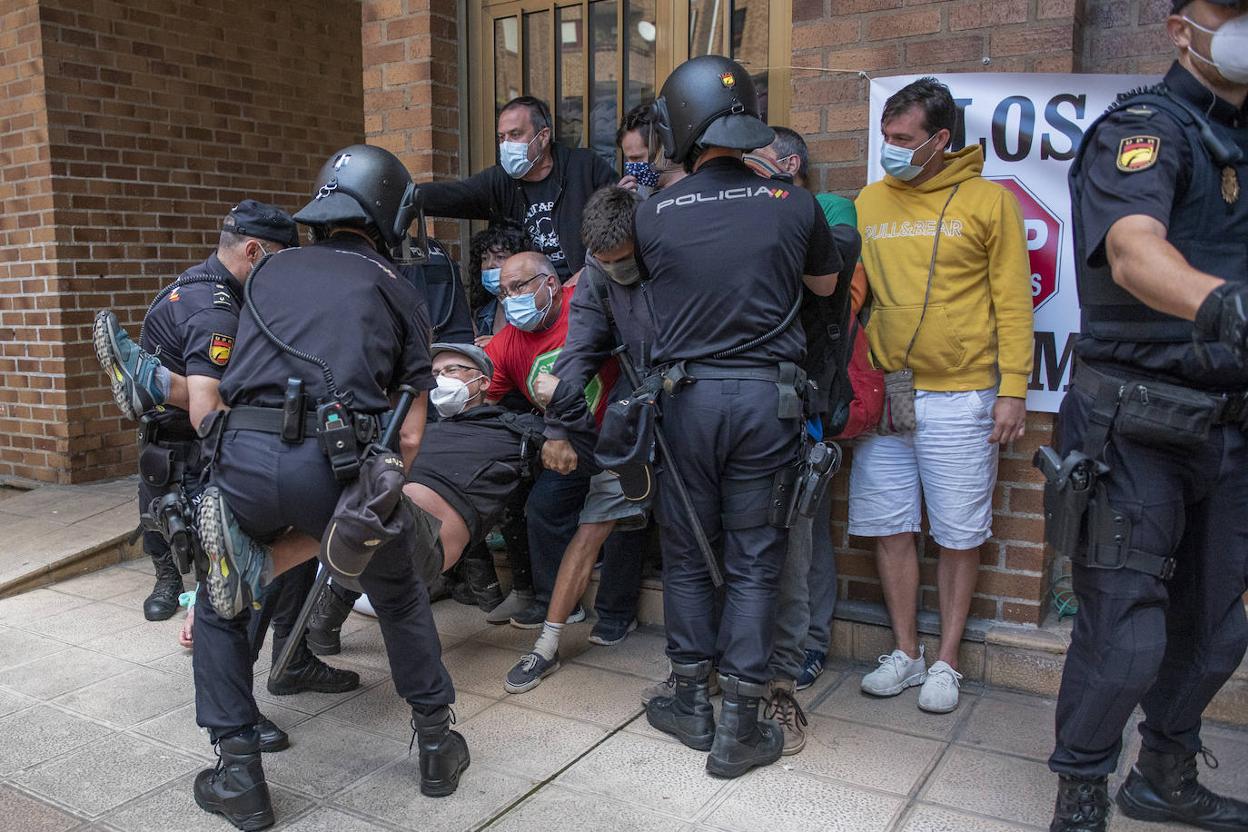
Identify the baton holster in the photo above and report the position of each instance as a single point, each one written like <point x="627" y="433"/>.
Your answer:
<point x="782" y="508"/>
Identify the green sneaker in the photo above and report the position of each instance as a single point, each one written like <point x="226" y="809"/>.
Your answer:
<point x="136" y="378"/>
<point x="235" y="561"/>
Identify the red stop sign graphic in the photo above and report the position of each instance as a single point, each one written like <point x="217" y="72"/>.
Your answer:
<point x="1044" y="240"/>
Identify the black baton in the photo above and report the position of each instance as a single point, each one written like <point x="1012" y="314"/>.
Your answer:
<point x="407" y="394"/>
<point x="678" y="482"/>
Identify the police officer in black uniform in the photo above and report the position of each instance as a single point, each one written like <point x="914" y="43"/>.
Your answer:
<point x="190" y="327"/>
<point x="338" y="319"/>
<point x="1151" y="502"/>
<point x="724" y="256"/>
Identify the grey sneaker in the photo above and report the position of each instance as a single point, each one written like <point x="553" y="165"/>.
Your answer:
<point x="516" y="602"/>
<point x="133" y="374"/>
<point x="529" y="672"/>
<point x="896" y="672"/>
<point x="939" y="694"/>
<point x="235" y="561"/>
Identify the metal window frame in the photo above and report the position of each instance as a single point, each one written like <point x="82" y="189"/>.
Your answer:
<point x="671" y="49"/>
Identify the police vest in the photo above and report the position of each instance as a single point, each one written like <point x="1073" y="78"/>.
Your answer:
<point x="1211" y="234"/>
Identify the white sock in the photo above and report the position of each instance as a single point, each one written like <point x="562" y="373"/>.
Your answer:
<point x="548" y="642"/>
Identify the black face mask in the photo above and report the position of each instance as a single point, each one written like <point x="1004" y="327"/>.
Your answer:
<point x="625" y="272"/>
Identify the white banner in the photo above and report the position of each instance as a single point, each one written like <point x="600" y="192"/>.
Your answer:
<point x="1030" y="126"/>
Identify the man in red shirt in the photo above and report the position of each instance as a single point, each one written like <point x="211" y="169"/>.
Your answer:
<point x="537" y="307"/>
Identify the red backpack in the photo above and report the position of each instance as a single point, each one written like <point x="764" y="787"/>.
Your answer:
<point x="868" y="385"/>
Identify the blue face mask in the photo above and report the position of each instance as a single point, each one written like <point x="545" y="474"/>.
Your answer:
<point x="898" y="162"/>
<point x="489" y="279"/>
<point x="514" y="157"/>
<point x="522" y="312"/>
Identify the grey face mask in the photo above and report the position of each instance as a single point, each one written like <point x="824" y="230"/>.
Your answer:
<point x="625" y="272"/>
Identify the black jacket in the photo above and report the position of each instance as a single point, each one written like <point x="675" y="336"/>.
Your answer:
<point x="493" y="195"/>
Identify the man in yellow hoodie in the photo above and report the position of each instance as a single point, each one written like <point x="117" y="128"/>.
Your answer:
<point x="954" y="308"/>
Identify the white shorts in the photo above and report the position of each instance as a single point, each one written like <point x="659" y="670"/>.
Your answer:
<point x="946" y="463"/>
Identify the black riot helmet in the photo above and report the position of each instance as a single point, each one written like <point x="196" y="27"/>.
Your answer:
<point x="709" y="101"/>
<point x="365" y="185"/>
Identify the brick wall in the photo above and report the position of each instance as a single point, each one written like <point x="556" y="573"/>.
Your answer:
<point x="160" y="115"/>
<point x="893" y="37"/>
<point x="29" y="364"/>
<point x="411" y="88"/>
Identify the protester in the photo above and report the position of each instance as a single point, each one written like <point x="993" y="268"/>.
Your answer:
<point x="487" y="251"/>
<point x="609" y="277"/>
<point x="945" y="254"/>
<point x="537" y="183"/>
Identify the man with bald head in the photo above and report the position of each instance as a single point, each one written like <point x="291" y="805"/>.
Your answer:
<point x="536" y="306"/>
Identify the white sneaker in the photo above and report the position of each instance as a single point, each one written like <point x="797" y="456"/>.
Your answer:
<point x="896" y="672"/>
<point x="940" y="692"/>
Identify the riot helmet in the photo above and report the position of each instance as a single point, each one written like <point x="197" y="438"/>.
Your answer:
<point x="362" y="185"/>
<point x="709" y="101"/>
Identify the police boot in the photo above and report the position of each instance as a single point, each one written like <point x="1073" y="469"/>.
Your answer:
<point x="163" y="602"/>
<point x="443" y="752"/>
<point x="481" y="578"/>
<point x="236" y="787"/>
<point x="686" y="714"/>
<point x="308" y="673"/>
<point x="325" y="623"/>
<point x="1082" y="805"/>
<point x="1163" y="787"/>
<point x="742" y="740"/>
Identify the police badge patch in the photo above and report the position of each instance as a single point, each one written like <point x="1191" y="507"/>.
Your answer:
<point x="219" y="349"/>
<point x="1137" y="153"/>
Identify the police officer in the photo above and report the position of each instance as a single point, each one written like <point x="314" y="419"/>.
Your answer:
<point x="191" y="327"/>
<point x="1157" y="408"/>
<point x="724" y="256"/>
<point x="337" y="318"/>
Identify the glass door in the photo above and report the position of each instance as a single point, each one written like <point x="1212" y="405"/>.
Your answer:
<point x="594" y="60"/>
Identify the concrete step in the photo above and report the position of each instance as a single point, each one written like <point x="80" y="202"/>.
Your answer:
<point x="50" y="533"/>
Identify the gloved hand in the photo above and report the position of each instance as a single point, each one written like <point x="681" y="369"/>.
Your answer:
<point x="1224" y="316"/>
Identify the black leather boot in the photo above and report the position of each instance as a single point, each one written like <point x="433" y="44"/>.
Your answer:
<point x="1082" y="805"/>
<point x="481" y="578"/>
<point x="163" y="602"/>
<point x="236" y="787"/>
<point x="1163" y="787"/>
<point x="742" y="740"/>
<point x="271" y="737"/>
<point x="686" y="714"/>
<point x="443" y="752"/>
<point x="325" y="623"/>
<point x="311" y="674"/>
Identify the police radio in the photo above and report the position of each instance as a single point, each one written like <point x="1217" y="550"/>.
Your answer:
<point x="336" y="433"/>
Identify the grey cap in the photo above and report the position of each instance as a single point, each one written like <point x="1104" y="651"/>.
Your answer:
<point x="470" y="351"/>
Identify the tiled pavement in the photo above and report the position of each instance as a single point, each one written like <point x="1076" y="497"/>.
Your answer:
<point x="97" y="732"/>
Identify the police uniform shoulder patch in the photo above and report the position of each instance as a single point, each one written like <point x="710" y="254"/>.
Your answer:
<point x="219" y="349"/>
<point x="1137" y="153"/>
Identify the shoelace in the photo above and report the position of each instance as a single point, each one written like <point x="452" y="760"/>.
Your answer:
<point x="946" y="676"/>
<point x="529" y="662"/>
<point x="784" y="706"/>
<point x="415" y="730"/>
<point x="1192" y="789"/>
<point x="1088" y="804"/>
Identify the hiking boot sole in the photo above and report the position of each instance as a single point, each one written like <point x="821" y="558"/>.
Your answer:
<point x="104" y="340"/>
<point x="225" y="585"/>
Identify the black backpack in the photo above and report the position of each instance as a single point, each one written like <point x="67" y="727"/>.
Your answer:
<point x="829" y="342"/>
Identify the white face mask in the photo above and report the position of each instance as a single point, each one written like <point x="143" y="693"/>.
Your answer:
<point x="451" y="395"/>
<point x="1228" y="50"/>
<point x="514" y="157"/>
